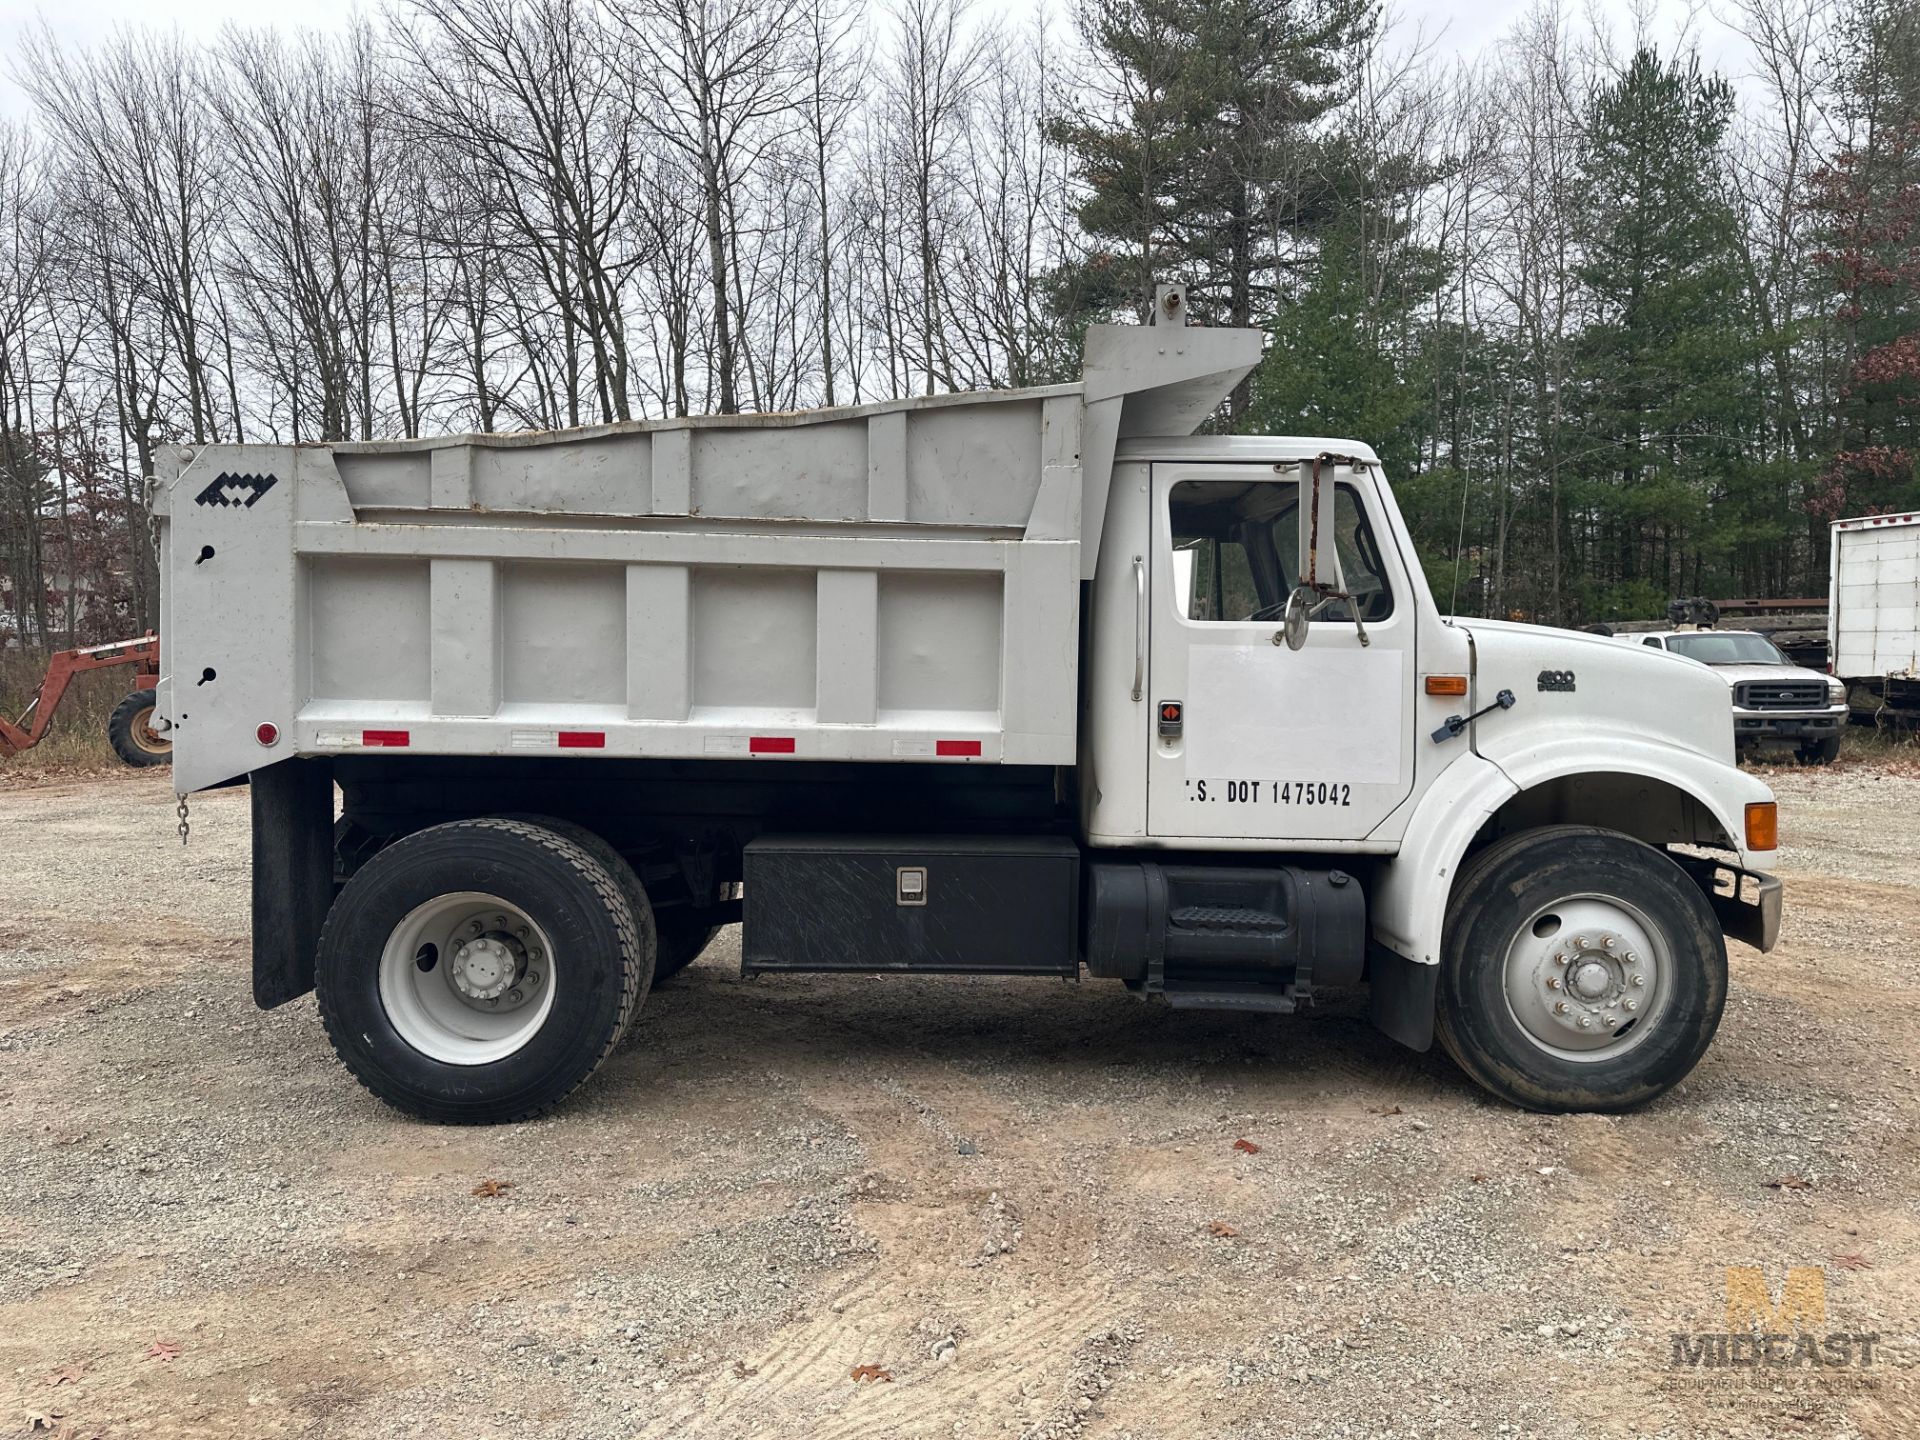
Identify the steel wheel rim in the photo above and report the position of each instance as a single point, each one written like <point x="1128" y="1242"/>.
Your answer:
<point x="467" y="978"/>
<point x="1593" y="959"/>
<point x="145" y="736"/>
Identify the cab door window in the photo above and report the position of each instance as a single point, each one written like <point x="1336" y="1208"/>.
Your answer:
<point x="1235" y="549"/>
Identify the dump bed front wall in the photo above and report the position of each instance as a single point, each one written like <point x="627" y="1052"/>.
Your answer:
<point x="901" y="585"/>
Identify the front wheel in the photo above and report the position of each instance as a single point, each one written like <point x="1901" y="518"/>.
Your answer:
<point x="1581" y="970"/>
<point x="477" y="972"/>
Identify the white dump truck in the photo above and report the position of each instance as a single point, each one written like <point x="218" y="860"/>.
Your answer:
<point x="1030" y="682"/>
<point x="1873" y="614"/>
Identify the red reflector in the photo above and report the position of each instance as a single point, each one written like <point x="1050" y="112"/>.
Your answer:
<point x="770" y="745"/>
<point x="267" y="732"/>
<point x="386" y="737"/>
<point x="583" y="739"/>
<point x="956" y="747"/>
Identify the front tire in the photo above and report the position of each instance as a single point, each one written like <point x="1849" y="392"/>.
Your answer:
<point x="478" y="972"/>
<point x="130" y="731"/>
<point x="1581" y="970"/>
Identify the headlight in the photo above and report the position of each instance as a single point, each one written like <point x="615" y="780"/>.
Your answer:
<point x="1836" y="692"/>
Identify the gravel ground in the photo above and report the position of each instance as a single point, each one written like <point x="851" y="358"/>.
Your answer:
<point x="1024" y="1202"/>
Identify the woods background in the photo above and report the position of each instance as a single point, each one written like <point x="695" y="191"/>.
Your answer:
<point x="1621" y="328"/>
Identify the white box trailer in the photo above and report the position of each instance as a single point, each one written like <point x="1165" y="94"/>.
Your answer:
<point x="1873" y="613"/>
<point x="1033" y="682"/>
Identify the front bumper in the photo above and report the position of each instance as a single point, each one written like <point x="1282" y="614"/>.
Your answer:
<point x="1747" y="903"/>
<point x="1751" y="725"/>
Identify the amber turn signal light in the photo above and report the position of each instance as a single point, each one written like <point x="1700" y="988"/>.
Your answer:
<point x="1446" y="685"/>
<point x="1763" y="826"/>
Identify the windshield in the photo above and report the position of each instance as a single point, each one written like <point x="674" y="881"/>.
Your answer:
<point x="1727" y="647"/>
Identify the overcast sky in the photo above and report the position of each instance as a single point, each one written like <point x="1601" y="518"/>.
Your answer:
<point x="1455" y="26"/>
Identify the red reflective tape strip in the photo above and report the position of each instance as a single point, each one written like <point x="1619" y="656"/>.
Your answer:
<point x="583" y="739"/>
<point x="956" y="747"/>
<point x="386" y="737"/>
<point x="771" y="745"/>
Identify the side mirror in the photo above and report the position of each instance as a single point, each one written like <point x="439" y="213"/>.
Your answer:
<point x="1300" y="606"/>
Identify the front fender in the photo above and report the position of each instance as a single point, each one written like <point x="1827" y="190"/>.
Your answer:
<point x="1410" y="894"/>
<point x="1609" y="764"/>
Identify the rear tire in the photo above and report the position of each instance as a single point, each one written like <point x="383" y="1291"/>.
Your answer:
<point x="1551" y="927"/>
<point x="130" y="731"/>
<point x="478" y="972"/>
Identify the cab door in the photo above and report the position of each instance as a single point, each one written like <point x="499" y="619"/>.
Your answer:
<point x="1252" y="740"/>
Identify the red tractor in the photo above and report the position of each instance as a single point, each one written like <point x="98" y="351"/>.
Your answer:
<point x="130" y="729"/>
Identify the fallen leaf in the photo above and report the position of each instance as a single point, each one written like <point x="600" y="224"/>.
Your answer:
<point x="164" y="1350"/>
<point x="492" y="1189"/>
<point x="741" y="1370"/>
<point x="1852" y="1262"/>
<point x="1246" y="1147"/>
<point x="871" y="1372"/>
<point x="1788" y="1182"/>
<point x="1386" y="1110"/>
<point x="1223" y="1230"/>
<point x="1478" y="1179"/>
<point x="66" y="1375"/>
<point x="42" y="1419"/>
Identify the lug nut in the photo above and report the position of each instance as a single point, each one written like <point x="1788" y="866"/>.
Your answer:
<point x="535" y="955"/>
<point x="1560" y="959"/>
<point x="1579" y="942"/>
<point x="1630" y="1005"/>
<point x="1636" y="979"/>
<point x="1553" y="982"/>
<point x="478" y="927"/>
<point x="533" y="978"/>
<point x="515" y="996"/>
<point x="1586" y="1022"/>
<point x="1559" y="1007"/>
<point x="1613" y="1022"/>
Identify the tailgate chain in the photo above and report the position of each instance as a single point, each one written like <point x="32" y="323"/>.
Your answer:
<point x="181" y="810"/>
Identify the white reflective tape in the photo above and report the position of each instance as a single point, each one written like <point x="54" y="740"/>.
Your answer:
<point x="336" y="739"/>
<point x="914" y="749"/>
<point x="727" y="744"/>
<point x="535" y="740"/>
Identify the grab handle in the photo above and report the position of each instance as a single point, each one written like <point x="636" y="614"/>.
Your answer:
<point x="1139" y="625"/>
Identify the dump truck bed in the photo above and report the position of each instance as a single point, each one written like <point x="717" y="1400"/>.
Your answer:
<point x="888" y="582"/>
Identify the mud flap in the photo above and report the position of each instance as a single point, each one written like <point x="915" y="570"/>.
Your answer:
<point x="1400" y="997"/>
<point x="292" y="875"/>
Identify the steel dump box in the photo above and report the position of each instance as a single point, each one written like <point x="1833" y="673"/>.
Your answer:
<point x="887" y="582"/>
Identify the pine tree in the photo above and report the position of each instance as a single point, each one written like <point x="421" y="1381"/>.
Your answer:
<point x="1868" y="200"/>
<point x="1202" y="162"/>
<point x="1661" y="365"/>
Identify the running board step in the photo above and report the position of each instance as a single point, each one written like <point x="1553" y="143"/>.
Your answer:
<point x="1261" y="999"/>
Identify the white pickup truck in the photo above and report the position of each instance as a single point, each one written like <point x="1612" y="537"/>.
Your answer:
<point x="1029" y="682"/>
<point x="1776" y="703"/>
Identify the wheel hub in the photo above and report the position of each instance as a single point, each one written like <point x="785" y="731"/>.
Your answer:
<point x="485" y="967"/>
<point x="1590" y="981"/>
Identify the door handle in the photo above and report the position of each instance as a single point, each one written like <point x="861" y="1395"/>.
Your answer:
<point x="1139" y="626"/>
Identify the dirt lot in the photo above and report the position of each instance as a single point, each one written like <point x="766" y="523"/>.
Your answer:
<point x="1022" y="1200"/>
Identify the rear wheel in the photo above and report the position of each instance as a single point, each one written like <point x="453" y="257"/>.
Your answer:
<point x="1581" y="970"/>
<point x="477" y="972"/>
<point x="131" y="732"/>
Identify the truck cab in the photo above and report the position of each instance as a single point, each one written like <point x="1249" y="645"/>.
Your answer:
<point x="1031" y="682"/>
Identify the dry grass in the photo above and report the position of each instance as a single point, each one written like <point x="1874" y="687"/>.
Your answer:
<point x="77" y="743"/>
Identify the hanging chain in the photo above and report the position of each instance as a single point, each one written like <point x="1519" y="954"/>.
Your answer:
<point x="181" y="811"/>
